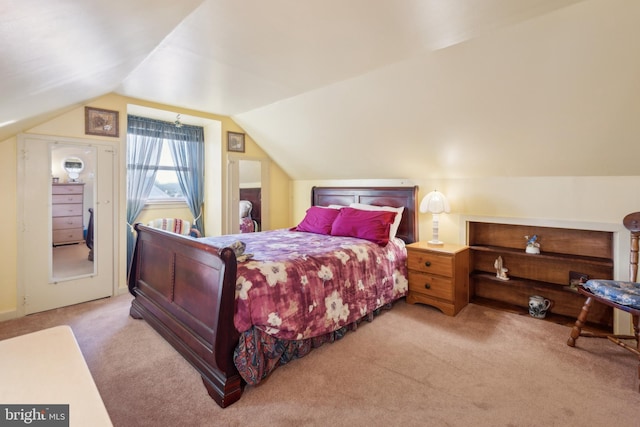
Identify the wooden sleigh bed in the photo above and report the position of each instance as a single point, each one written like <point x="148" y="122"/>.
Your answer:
<point x="186" y="289"/>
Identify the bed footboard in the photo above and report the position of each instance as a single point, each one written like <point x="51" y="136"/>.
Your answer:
<point x="185" y="290"/>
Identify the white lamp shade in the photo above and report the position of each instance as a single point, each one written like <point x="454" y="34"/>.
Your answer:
<point x="435" y="203"/>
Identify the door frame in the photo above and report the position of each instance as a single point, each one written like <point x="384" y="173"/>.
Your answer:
<point x="23" y="260"/>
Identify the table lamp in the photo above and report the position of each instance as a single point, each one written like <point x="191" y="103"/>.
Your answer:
<point x="436" y="203"/>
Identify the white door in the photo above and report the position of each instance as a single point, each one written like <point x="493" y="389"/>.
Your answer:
<point x="56" y="276"/>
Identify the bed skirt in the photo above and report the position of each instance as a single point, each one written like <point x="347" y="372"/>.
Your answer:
<point x="258" y="353"/>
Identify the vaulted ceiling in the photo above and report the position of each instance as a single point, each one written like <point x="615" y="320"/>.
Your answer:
<point x="340" y="89"/>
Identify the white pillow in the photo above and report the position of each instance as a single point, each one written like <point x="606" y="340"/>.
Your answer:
<point x="396" y="222"/>
<point x="330" y="207"/>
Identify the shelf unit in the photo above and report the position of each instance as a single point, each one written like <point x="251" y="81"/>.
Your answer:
<point x="565" y="252"/>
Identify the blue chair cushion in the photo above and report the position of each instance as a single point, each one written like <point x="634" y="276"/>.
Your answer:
<point x="623" y="293"/>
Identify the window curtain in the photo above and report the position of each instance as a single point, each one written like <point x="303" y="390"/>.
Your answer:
<point x="187" y="148"/>
<point x="144" y="146"/>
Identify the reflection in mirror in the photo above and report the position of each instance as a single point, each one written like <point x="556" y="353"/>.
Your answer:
<point x="250" y="187"/>
<point x="72" y="210"/>
<point x="73" y="166"/>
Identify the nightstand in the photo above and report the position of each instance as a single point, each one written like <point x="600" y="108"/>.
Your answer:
<point x="438" y="276"/>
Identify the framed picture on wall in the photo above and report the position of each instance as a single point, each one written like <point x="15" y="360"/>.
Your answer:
<point x="100" y="122"/>
<point x="235" y="142"/>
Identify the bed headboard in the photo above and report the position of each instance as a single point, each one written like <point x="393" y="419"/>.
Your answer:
<point x="378" y="196"/>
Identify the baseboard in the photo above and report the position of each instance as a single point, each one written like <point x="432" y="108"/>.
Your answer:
<point x="122" y="291"/>
<point x="13" y="314"/>
<point x="8" y="315"/>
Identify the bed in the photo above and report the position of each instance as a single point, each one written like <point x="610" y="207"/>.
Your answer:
<point x="191" y="292"/>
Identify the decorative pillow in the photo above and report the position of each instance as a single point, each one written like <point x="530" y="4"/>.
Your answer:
<point x="247" y="225"/>
<point x="625" y="293"/>
<point x="174" y="225"/>
<point x="318" y="220"/>
<point x="396" y="222"/>
<point x="370" y="225"/>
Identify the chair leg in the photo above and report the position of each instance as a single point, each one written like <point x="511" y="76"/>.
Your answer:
<point x="580" y="322"/>
<point x="636" y="332"/>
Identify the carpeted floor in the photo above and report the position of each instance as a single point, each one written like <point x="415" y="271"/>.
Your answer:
<point x="71" y="260"/>
<point x="411" y="366"/>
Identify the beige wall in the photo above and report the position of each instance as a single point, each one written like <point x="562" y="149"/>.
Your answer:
<point x="71" y="124"/>
<point x="577" y="201"/>
<point x="279" y="197"/>
<point x="279" y="182"/>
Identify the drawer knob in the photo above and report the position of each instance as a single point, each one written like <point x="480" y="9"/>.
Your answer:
<point x="427" y="264"/>
<point x="427" y="286"/>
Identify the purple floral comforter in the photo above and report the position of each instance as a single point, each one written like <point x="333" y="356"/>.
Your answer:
<point x="300" y="290"/>
<point x="301" y="285"/>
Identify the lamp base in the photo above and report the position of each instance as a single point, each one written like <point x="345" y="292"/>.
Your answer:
<point x="435" y="242"/>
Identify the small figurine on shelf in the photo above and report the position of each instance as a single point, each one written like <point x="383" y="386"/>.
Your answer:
<point x="533" y="247"/>
<point x="501" y="272"/>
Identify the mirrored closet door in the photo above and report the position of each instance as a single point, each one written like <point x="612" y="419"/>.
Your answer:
<point x="66" y="206"/>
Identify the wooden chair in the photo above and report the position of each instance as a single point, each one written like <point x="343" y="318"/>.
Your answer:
<point x="624" y="296"/>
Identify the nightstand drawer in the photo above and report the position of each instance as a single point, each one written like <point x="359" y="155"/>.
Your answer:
<point x="430" y="262"/>
<point x="430" y="285"/>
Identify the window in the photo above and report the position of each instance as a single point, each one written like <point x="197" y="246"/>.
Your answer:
<point x="166" y="186"/>
<point x="152" y="168"/>
<point x="151" y="145"/>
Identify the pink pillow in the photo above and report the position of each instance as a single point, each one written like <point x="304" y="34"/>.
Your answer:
<point x="318" y="220"/>
<point x="370" y="225"/>
<point x="396" y="222"/>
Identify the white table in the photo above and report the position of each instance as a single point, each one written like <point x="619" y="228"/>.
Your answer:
<point x="47" y="367"/>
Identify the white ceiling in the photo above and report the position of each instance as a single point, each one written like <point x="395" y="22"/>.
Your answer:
<point x="251" y="53"/>
<point x="355" y="77"/>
